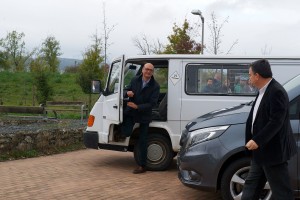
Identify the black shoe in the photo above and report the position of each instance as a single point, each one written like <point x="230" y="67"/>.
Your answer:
<point x="139" y="170"/>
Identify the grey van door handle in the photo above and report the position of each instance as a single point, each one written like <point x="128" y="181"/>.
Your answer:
<point x="115" y="106"/>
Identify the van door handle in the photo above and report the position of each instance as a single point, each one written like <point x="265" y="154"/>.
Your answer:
<point x="115" y="106"/>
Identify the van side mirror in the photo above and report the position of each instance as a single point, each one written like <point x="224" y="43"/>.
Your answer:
<point x="96" y="87"/>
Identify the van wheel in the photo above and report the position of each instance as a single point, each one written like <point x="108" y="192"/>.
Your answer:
<point x="233" y="181"/>
<point x="160" y="153"/>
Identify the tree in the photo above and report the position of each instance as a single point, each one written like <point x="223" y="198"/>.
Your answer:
<point x="50" y="51"/>
<point x="107" y="30"/>
<point x="266" y="50"/>
<point x="143" y="44"/>
<point x="89" y="69"/>
<point x="147" y="47"/>
<point x="157" y="47"/>
<point x="216" y="35"/>
<point x="180" y="42"/>
<point x="40" y="72"/>
<point x="4" y="65"/>
<point x="38" y="65"/>
<point x="14" y="52"/>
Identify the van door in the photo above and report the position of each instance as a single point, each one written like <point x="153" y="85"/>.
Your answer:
<point x="112" y="106"/>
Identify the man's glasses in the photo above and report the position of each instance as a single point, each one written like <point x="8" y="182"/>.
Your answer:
<point x="147" y="69"/>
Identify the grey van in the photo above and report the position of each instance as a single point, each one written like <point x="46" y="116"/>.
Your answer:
<point x="212" y="154"/>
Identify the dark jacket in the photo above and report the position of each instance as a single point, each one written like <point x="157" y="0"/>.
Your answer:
<point x="272" y="129"/>
<point x="145" y="98"/>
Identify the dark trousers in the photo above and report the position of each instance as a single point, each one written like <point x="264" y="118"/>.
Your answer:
<point x="278" y="179"/>
<point x="127" y="127"/>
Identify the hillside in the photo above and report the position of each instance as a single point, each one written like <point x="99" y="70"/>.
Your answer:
<point x="17" y="89"/>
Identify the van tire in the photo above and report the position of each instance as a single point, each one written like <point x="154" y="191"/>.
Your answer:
<point x="160" y="153"/>
<point x="231" y="190"/>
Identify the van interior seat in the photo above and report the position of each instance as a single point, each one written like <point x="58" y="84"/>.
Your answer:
<point x="160" y="114"/>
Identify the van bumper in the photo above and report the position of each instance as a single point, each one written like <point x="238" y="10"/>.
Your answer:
<point x="90" y="139"/>
<point x="199" y="166"/>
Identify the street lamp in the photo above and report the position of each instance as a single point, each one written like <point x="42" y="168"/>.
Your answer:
<point x="198" y="12"/>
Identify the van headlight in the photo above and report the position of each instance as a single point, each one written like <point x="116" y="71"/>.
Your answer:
<point x="205" y="134"/>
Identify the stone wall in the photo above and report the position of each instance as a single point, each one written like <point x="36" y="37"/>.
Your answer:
<point x="38" y="137"/>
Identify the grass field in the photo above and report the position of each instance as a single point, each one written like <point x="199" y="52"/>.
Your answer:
<point x="16" y="89"/>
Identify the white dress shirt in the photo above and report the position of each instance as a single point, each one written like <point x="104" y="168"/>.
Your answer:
<point x="258" y="100"/>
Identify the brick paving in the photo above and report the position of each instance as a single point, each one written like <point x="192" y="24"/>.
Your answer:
<point x="91" y="174"/>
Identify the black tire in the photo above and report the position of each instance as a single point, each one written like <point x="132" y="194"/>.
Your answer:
<point x="160" y="153"/>
<point x="233" y="180"/>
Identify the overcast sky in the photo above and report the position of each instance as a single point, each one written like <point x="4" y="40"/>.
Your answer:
<point x="260" y="26"/>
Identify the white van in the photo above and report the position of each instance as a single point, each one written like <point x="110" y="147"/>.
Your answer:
<point x="182" y="80"/>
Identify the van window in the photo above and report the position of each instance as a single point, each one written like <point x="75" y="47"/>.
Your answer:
<point x="113" y="82"/>
<point x="130" y="71"/>
<point x="160" y="75"/>
<point x="218" y="79"/>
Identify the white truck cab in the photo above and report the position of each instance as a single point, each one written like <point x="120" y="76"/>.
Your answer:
<point x="183" y="96"/>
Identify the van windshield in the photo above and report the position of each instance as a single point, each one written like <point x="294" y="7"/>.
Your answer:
<point x="291" y="84"/>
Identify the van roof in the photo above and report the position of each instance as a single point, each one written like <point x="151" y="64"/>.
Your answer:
<point x="216" y="58"/>
<point x="198" y="56"/>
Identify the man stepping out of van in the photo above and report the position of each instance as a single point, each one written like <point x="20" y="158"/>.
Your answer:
<point x="143" y="93"/>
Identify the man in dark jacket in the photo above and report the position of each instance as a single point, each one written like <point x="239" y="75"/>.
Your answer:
<point x="269" y="136"/>
<point x="143" y="93"/>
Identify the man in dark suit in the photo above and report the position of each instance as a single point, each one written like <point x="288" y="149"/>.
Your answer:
<point x="143" y="93"/>
<point x="269" y="136"/>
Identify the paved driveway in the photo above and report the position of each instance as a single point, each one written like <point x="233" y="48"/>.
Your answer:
<point x="90" y="174"/>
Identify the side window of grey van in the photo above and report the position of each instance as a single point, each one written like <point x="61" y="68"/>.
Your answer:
<point x="218" y="79"/>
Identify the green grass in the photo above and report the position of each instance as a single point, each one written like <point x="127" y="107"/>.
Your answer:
<point x="14" y="155"/>
<point x="16" y="89"/>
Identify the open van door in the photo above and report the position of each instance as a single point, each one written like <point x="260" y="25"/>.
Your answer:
<point x="112" y="104"/>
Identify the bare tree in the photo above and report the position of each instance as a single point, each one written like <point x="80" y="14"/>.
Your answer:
<point x="266" y="50"/>
<point x="158" y="47"/>
<point x="232" y="45"/>
<point x="107" y="30"/>
<point x="142" y="44"/>
<point x="216" y="36"/>
<point x="138" y="43"/>
<point x="147" y="47"/>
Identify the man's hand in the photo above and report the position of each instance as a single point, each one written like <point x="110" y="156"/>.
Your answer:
<point x="130" y="94"/>
<point x="132" y="105"/>
<point x="251" y="145"/>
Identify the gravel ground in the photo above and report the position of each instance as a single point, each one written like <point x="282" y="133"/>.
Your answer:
<point x="13" y="125"/>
